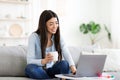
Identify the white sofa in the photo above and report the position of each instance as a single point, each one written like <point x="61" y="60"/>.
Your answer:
<point x="13" y="61"/>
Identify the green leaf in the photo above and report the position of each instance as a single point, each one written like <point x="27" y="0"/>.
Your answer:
<point x="89" y="27"/>
<point x="95" y="28"/>
<point x="109" y="34"/>
<point x="83" y="28"/>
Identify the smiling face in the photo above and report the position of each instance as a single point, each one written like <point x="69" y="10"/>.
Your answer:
<point x="52" y="25"/>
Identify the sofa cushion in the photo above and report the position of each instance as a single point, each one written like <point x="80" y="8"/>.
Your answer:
<point x="12" y="60"/>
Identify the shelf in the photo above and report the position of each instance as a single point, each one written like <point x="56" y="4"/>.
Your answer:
<point x="14" y="2"/>
<point x="15" y="16"/>
<point x="7" y="19"/>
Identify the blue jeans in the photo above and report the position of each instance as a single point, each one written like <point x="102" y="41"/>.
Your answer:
<point x="37" y="72"/>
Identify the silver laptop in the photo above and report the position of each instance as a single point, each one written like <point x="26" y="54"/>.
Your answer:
<point x="89" y="66"/>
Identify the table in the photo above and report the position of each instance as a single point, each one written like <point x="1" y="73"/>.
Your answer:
<point x="81" y="78"/>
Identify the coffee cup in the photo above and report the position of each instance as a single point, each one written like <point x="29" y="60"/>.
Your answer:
<point x="55" y="55"/>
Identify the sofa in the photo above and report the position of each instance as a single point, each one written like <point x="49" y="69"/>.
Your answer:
<point x="13" y="61"/>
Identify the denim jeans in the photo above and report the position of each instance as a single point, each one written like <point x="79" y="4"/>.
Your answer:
<point x="37" y="72"/>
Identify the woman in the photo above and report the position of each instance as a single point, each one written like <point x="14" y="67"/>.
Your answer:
<point x="45" y="39"/>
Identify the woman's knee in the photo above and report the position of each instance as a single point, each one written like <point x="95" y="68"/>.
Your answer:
<point x="30" y="67"/>
<point x="36" y="72"/>
<point x="64" y="67"/>
<point x="64" y="63"/>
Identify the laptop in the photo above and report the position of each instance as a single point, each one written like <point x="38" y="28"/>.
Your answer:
<point x="89" y="66"/>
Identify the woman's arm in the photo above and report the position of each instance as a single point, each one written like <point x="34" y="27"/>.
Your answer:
<point x="32" y="52"/>
<point x="34" y="55"/>
<point x="67" y="56"/>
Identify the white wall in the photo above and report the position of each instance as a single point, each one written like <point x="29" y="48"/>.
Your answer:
<point x="115" y="22"/>
<point x="78" y="11"/>
<point x="104" y="13"/>
<point x="74" y="12"/>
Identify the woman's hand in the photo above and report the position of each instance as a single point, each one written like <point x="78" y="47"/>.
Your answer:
<point x="48" y="58"/>
<point x="73" y="69"/>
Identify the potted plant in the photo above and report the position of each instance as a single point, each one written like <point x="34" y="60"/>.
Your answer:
<point x="93" y="29"/>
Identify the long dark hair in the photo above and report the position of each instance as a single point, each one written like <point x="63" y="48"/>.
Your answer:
<point x="42" y="32"/>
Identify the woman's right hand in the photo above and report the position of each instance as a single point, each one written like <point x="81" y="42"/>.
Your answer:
<point x="73" y="69"/>
<point x="48" y="58"/>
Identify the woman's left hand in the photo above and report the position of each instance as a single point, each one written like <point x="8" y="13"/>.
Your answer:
<point x="73" y="69"/>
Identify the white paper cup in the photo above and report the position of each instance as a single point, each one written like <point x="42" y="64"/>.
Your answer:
<point x="55" y="55"/>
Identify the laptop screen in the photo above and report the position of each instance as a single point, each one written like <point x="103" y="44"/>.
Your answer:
<point x="90" y="65"/>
